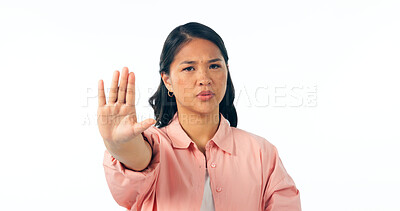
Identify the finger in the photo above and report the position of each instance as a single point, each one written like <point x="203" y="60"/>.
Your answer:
<point x="114" y="88"/>
<point x="122" y="85"/>
<point x="101" y="95"/>
<point x="130" y="92"/>
<point x="142" y="126"/>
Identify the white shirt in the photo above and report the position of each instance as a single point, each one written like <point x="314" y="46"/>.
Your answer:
<point x="208" y="201"/>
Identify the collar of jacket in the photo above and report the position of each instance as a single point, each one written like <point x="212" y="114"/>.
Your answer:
<point x="223" y="138"/>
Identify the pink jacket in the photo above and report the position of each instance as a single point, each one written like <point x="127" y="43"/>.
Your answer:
<point x="245" y="171"/>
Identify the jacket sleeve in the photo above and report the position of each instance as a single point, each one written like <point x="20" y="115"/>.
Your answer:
<point x="280" y="191"/>
<point x="129" y="187"/>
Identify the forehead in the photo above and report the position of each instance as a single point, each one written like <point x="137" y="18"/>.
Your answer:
<point x="198" y="50"/>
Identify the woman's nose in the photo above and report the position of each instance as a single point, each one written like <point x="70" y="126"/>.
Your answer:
<point x="204" y="78"/>
<point x="205" y="81"/>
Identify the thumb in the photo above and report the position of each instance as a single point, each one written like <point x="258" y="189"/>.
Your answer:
<point x="139" y="127"/>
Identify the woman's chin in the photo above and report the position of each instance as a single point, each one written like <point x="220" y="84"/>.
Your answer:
<point x="201" y="108"/>
<point x="206" y="110"/>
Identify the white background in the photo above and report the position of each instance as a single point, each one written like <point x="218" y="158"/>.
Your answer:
<point x="318" y="79"/>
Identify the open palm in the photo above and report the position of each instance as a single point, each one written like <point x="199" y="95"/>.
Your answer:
<point x="117" y="120"/>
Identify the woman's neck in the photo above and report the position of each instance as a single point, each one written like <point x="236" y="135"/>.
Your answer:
<point x="200" y="128"/>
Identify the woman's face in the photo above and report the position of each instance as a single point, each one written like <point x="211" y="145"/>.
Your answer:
<point x="198" y="67"/>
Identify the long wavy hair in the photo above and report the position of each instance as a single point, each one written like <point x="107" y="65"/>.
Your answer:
<point x="164" y="106"/>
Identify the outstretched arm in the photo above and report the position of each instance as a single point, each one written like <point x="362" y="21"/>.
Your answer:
<point x="117" y="122"/>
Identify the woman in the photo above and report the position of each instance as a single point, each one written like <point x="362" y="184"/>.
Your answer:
<point x="194" y="158"/>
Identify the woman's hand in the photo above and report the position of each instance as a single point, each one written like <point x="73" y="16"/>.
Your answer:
<point x="117" y="120"/>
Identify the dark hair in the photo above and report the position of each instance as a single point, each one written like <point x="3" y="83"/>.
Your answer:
<point x="165" y="106"/>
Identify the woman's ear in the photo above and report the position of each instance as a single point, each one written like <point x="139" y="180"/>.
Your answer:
<point x="167" y="81"/>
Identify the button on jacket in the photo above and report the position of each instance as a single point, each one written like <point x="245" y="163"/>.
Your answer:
<point x="245" y="172"/>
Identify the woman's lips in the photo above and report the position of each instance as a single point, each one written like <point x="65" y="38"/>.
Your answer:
<point x="205" y="95"/>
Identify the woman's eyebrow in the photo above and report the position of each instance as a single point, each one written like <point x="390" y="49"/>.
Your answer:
<point x="214" y="60"/>
<point x="192" y="62"/>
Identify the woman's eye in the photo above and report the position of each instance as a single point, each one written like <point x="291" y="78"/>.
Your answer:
<point x="214" y="66"/>
<point x="189" y="69"/>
